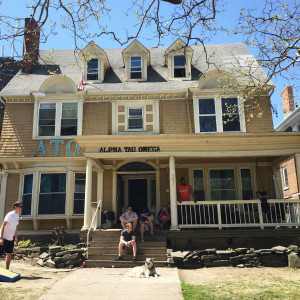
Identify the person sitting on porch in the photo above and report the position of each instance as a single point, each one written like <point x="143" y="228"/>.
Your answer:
<point x="263" y="197"/>
<point x="146" y="222"/>
<point x="127" y="239"/>
<point x="129" y="217"/>
<point x="164" y="217"/>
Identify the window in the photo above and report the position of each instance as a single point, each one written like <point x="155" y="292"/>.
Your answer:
<point x="179" y="66"/>
<point x="135" y="118"/>
<point x="68" y="119"/>
<point x="247" y="190"/>
<point x="285" y="178"/>
<point x="52" y="196"/>
<point x="218" y="115"/>
<point x="92" y="69"/>
<point x="47" y="115"/>
<point x="27" y="194"/>
<point x="58" y="119"/>
<point x="79" y="194"/>
<point x="230" y="114"/>
<point x="135" y="67"/>
<point x="199" y="185"/>
<point x="207" y="115"/>
<point x="222" y="185"/>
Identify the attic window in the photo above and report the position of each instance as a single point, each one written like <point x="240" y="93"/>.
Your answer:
<point x="135" y="67"/>
<point x="179" y="66"/>
<point x="92" y="69"/>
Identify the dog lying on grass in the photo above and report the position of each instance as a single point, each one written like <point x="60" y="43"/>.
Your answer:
<point x="147" y="270"/>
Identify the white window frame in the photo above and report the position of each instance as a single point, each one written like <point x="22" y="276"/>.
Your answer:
<point x="130" y="68"/>
<point x="61" y="118"/>
<point x="285" y="178"/>
<point x="143" y="119"/>
<point x="74" y="179"/>
<point x="185" y="67"/>
<point x="39" y="188"/>
<point x="218" y="108"/>
<point x="58" y="118"/>
<point x="32" y="193"/>
<point x="98" y="70"/>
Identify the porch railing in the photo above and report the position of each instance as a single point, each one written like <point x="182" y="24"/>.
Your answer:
<point x="93" y="225"/>
<point x="239" y="213"/>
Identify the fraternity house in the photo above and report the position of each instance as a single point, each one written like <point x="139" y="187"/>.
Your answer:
<point x="141" y="119"/>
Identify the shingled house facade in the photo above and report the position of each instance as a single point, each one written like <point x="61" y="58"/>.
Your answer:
<point x="145" y="118"/>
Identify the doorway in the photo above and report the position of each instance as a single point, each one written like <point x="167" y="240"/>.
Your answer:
<point x="138" y="194"/>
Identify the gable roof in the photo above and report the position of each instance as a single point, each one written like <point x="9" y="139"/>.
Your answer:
<point x="232" y="58"/>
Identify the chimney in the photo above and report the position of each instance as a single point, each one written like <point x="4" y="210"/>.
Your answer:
<point x="31" y="45"/>
<point x="287" y="100"/>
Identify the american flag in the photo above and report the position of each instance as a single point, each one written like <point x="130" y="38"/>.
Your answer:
<point x="80" y="85"/>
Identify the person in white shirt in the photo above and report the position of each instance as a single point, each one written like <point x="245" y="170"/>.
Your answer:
<point x="129" y="217"/>
<point x="8" y="232"/>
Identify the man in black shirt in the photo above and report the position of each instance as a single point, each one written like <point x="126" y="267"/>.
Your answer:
<point x="127" y="239"/>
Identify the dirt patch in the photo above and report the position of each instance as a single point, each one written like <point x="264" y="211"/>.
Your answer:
<point x="221" y="275"/>
<point x="34" y="281"/>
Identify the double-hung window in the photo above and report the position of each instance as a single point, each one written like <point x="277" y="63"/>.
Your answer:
<point x="79" y="194"/>
<point x="222" y="185"/>
<point x="179" y="66"/>
<point x="47" y="117"/>
<point x="135" y="67"/>
<point x="285" y="178"/>
<point x="230" y="114"/>
<point x="199" y="185"/>
<point x="207" y="115"/>
<point x="58" y="119"/>
<point x="218" y="115"/>
<point x="92" y="69"/>
<point x="52" y="196"/>
<point x="27" y="194"/>
<point x="135" y="118"/>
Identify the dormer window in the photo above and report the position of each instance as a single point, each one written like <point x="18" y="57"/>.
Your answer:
<point x="136" y="61"/>
<point x="179" y="60"/>
<point x="92" y="69"/>
<point x="135" y="67"/>
<point x="95" y="63"/>
<point x="179" y="66"/>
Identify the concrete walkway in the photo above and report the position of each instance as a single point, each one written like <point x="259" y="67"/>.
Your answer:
<point x="115" y="284"/>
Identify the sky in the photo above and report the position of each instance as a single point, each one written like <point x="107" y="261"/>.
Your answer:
<point x="119" y="23"/>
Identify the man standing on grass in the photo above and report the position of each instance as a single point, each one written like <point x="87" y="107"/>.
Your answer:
<point x="8" y="232"/>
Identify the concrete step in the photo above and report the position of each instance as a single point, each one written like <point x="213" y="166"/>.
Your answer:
<point x="120" y="264"/>
<point x="126" y="257"/>
<point x="116" y="244"/>
<point x="115" y="237"/>
<point x="141" y="250"/>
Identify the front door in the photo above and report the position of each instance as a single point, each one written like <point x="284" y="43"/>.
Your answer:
<point x="137" y="194"/>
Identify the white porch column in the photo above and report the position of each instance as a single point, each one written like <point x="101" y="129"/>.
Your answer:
<point x="100" y="194"/>
<point x="114" y="192"/>
<point x="173" y="194"/>
<point x="297" y="163"/>
<point x="3" y="195"/>
<point x="88" y="194"/>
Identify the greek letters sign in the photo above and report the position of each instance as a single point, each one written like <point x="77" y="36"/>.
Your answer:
<point x="130" y="149"/>
<point x="72" y="147"/>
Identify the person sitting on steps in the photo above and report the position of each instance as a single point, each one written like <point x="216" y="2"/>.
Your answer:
<point x="129" y="217"/>
<point x="146" y="221"/>
<point x="127" y="239"/>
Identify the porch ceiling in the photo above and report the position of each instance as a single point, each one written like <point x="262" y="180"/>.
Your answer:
<point x="268" y="144"/>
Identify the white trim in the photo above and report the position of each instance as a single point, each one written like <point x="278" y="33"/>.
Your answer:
<point x="285" y="179"/>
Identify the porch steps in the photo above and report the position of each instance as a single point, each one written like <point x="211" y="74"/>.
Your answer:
<point x="104" y="244"/>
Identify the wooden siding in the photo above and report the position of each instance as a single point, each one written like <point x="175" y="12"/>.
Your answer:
<point x="12" y="192"/>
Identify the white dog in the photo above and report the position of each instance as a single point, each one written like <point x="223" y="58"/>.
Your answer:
<point x="147" y="270"/>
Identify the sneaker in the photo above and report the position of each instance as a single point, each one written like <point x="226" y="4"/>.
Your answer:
<point x="119" y="258"/>
<point x="134" y="259"/>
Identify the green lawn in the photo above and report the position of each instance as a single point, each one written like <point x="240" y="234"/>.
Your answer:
<point x="275" y="288"/>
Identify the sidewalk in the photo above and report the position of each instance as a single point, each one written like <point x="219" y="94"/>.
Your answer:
<point x="115" y="284"/>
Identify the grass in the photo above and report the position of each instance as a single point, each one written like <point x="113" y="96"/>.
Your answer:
<point x="273" y="288"/>
<point x="13" y="293"/>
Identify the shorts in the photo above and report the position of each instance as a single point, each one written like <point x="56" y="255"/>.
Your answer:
<point x="162" y="218"/>
<point x="8" y="246"/>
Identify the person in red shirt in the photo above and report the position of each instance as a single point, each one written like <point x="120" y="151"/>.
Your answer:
<point x="184" y="191"/>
